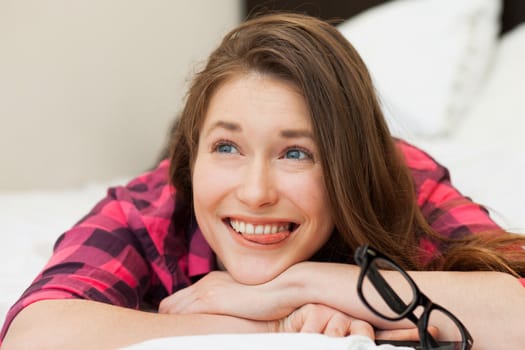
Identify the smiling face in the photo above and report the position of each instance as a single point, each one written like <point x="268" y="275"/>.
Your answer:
<point x="258" y="189"/>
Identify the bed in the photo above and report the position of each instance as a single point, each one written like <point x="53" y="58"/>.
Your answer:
<point x="451" y="77"/>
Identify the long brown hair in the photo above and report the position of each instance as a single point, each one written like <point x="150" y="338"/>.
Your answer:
<point x="371" y="190"/>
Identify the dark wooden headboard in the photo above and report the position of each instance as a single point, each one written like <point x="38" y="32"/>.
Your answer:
<point x="513" y="14"/>
<point x="337" y="10"/>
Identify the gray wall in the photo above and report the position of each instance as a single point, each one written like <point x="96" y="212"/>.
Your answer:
<point x="88" y="88"/>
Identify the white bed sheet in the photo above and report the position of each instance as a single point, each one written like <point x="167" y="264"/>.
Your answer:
<point x="31" y="221"/>
<point x="275" y="341"/>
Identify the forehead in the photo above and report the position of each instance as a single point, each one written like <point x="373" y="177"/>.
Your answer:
<point x="244" y="97"/>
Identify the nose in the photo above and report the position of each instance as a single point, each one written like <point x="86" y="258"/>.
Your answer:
<point x="257" y="186"/>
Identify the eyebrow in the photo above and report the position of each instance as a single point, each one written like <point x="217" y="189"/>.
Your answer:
<point x="296" y="133"/>
<point x="231" y="126"/>
<point x="287" y="133"/>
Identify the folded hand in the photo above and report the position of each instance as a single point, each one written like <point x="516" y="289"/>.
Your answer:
<point x="219" y="293"/>
<point x="317" y="318"/>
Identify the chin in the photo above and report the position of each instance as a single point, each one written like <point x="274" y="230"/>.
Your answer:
<point x="255" y="275"/>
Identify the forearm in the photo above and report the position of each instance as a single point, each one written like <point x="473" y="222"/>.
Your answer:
<point x="78" y="324"/>
<point x="490" y="304"/>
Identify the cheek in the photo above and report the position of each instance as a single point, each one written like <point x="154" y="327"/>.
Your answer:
<point x="204" y="189"/>
<point x="208" y="181"/>
<point x="212" y="187"/>
<point x="309" y="193"/>
<point x="206" y="194"/>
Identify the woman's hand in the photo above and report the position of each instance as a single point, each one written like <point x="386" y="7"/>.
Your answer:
<point x="317" y="318"/>
<point x="219" y="293"/>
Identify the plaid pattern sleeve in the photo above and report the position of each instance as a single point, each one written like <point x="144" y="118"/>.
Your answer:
<point x="126" y="251"/>
<point x="447" y="211"/>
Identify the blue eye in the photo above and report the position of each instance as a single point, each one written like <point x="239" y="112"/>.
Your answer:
<point x="298" y="154"/>
<point x="224" y="147"/>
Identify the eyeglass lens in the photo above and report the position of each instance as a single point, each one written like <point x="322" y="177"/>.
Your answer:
<point x="396" y="295"/>
<point x="381" y="300"/>
<point x="449" y="333"/>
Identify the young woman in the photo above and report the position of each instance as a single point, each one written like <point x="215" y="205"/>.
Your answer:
<point x="281" y="165"/>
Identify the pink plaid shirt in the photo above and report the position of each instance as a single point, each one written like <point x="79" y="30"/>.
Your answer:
<point x="129" y="250"/>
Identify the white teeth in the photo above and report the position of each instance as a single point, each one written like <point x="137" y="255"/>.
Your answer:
<point x="244" y="227"/>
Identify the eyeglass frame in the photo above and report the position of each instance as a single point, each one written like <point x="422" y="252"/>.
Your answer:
<point x="364" y="256"/>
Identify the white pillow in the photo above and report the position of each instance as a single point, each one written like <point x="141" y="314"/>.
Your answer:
<point x="498" y="112"/>
<point x="427" y="57"/>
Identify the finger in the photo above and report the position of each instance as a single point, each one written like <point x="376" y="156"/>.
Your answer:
<point x="359" y="327"/>
<point x="314" y="324"/>
<point x="176" y="303"/>
<point x="338" y="325"/>
<point x="192" y="299"/>
<point x="434" y="332"/>
<point x="409" y="334"/>
<point x="167" y="306"/>
<point x="292" y="323"/>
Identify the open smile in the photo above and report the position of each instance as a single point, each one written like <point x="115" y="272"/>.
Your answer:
<point x="267" y="233"/>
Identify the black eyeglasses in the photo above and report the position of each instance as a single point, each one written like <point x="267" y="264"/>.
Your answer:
<point x="390" y="293"/>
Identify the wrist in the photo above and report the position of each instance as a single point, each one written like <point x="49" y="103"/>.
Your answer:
<point x="297" y="284"/>
<point x="331" y="284"/>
